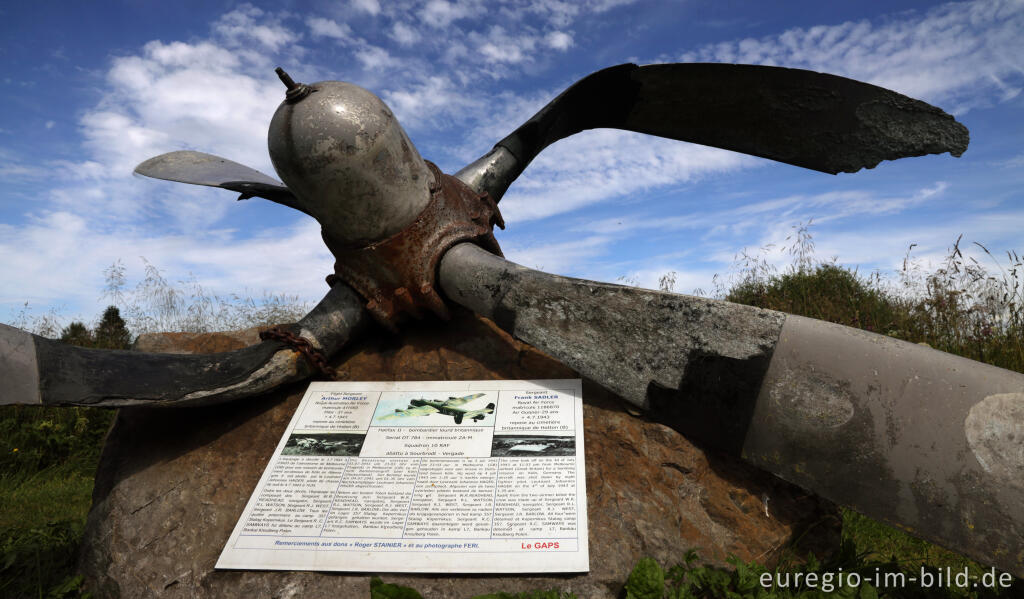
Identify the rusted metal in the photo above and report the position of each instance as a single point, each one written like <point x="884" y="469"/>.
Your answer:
<point x="397" y="275"/>
<point x="303" y="346"/>
<point x="38" y="370"/>
<point x="930" y="443"/>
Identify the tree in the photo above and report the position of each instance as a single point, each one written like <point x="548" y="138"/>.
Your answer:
<point x="111" y="332"/>
<point x="77" y="333"/>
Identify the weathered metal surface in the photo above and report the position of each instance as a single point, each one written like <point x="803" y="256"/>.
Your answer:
<point x="813" y="120"/>
<point x="698" y="359"/>
<point x="842" y="414"/>
<point x="68" y="375"/>
<point x="296" y="91"/>
<point x="301" y="345"/>
<point x="396" y="275"/>
<point x="343" y="154"/>
<point x="808" y="119"/>
<point x="906" y="434"/>
<point x="198" y="168"/>
<point x="916" y="437"/>
<point x="19" y="372"/>
<point x="492" y="173"/>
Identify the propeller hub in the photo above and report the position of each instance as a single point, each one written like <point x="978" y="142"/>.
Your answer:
<point x="343" y="154"/>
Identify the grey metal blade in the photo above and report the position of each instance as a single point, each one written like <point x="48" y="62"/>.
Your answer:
<point x="906" y="434"/>
<point x="813" y="120"/>
<point x="36" y="370"/>
<point x="199" y="168"/>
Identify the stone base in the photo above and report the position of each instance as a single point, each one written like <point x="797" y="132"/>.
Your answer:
<point x="173" y="482"/>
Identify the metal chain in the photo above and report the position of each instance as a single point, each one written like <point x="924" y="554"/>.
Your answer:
<point x="303" y="346"/>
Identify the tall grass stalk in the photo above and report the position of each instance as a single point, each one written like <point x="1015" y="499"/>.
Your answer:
<point x="960" y="307"/>
<point x="48" y="456"/>
<point x="157" y="305"/>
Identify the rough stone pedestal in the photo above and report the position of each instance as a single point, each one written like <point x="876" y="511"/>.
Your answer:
<point x="173" y="482"/>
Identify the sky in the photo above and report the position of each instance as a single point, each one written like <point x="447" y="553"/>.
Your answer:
<point x="91" y="90"/>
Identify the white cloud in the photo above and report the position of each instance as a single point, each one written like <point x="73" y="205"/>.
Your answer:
<point x="375" y="58"/>
<point x="460" y="83"/>
<point x="682" y="278"/>
<point x="606" y="5"/>
<point x="368" y="6"/>
<point x="1014" y="162"/>
<point x="49" y="124"/>
<point x="960" y="53"/>
<point x="765" y="232"/>
<point x="559" y="40"/>
<point x="243" y="25"/>
<point x="12" y="169"/>
<point x="215" y="95"/>
<point x="176" y="96"/>
<point x="419" y="104"/>
<point x="557" y="12"/>
<point x="557" y="257"/>
<point x="441" y="13"/>
<point x="774" y="213"/>
<point x="61" y="256"/>
<point x="497" y="45"/>
<point x="593" y="166"/>
<point x="321" y="27"/>
<point x="404" y="34"/>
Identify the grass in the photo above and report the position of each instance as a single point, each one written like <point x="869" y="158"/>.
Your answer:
<point x="958" y="308"/>
<point x="48" y="460"/>
<point x="48" y="456"/>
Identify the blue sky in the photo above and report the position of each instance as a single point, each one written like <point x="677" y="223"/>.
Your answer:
<point x="92" y="89"/>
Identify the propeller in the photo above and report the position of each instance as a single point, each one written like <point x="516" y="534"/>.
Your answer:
<point x="906" y="434"/>
<point x="36" y="370"/>
<point x="813" y="120"/>
<point x="903" y="433"/>
<point x="199" y="168"/>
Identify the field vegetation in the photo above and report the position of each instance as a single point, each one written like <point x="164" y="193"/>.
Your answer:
<point x="48" y="456"/>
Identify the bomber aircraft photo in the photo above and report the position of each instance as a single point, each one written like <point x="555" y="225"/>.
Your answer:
<point x="449" y="407"/>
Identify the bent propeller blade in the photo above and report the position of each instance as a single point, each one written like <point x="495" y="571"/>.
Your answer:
<point x="41" y="371"/>
<point x="813" y="120"/>
<point x="916" y="437"/>
<point x="199" y="168"/>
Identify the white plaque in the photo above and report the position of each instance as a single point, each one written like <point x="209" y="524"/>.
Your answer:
<point x="426" y="476"/>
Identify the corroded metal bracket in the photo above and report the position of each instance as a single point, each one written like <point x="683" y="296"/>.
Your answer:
<point x="397" y="275"/>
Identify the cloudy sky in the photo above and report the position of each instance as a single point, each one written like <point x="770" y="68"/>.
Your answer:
<point x="87" y="93"/>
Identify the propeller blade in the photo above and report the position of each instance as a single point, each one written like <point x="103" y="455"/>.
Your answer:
<point x="813" y="120"/>
<point x="922" y="439"/>
<point x="36" y="370"/>
<point x="198" y="168"/>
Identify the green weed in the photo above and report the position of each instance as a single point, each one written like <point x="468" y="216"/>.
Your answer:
<point x="48" y="456"/>
<point x="381" y="590"/>
<point x="960" y="307"/>
<point x="847" y="574"/>
<point x="41" y="528"/>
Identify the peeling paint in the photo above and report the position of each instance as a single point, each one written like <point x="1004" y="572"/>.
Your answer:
<point x="813" y="399"/>
<point x="284" y="366"/>
<point x="995" y="433"/>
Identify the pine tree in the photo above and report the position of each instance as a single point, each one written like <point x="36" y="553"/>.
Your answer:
<point x="111" y="332"/>
<point x="77" y="333"/>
